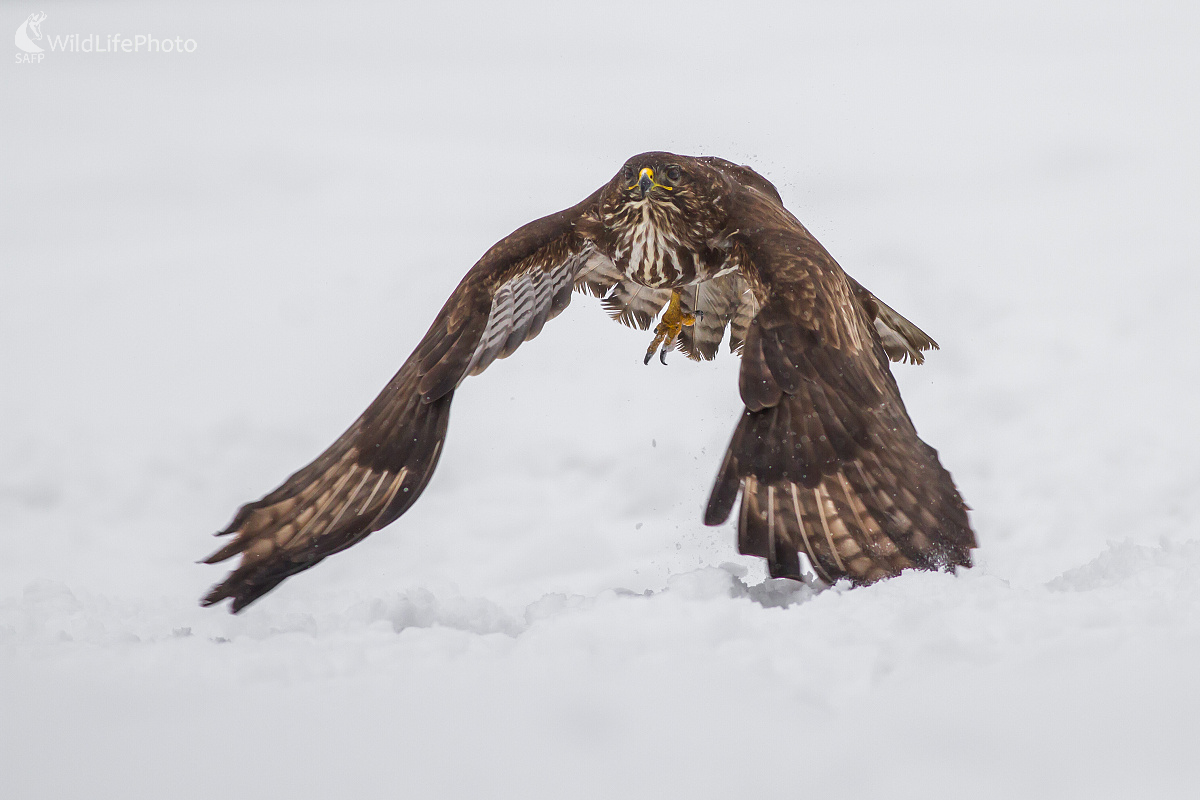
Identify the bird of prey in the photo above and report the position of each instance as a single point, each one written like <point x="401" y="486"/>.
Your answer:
<point x="827" y="461"/>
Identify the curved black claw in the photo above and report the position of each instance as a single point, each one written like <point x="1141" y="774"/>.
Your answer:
<point x="662" y="356"/>
<point x="646" y="360"/>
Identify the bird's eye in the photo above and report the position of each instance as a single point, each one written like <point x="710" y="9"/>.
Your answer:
<point x="674" y="174"/>
<point x="629" y="173"/>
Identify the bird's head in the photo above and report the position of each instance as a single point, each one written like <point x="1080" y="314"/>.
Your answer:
<point x="665" y="181"/>
<point x="653" y="177"/>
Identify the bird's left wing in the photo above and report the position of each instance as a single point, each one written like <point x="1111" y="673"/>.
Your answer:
<point x="825" y="456"/>
<point x="381" y="464"/>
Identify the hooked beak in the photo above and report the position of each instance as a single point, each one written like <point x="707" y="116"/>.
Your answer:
<point x="646" y="180"/>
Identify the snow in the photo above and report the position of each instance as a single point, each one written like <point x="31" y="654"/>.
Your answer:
<point x="213" y="261"/>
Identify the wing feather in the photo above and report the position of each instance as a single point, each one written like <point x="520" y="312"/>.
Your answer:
<point x="376" y="470"/>
<point x="825" y="457"/>
<point x="901" y="339"/>
<point x="635" y="305"/>
<point x="747" y="308"/>
<point x="598" y="276"/>
<point x="714" y="302"/>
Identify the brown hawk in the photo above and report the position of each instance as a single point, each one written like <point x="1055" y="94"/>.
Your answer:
<point x="825" y="456"/>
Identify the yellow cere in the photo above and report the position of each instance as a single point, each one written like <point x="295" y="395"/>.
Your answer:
<point x="649" y="173"/>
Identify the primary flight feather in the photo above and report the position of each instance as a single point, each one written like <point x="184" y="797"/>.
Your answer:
<point x="825" y="457"/>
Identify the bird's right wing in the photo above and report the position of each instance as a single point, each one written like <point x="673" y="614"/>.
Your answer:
<point x="381" y="464"/>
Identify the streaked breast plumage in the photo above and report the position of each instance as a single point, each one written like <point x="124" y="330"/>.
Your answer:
<point x="648" y="249"/>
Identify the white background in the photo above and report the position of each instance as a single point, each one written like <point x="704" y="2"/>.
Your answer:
<point x="211" y="262"/>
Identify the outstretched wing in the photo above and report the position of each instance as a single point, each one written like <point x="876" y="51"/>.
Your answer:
<point x="381" y="464"/>
<point x="825" y="455"/>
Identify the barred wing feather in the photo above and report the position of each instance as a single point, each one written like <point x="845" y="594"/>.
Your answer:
<point x="376" y="470"/>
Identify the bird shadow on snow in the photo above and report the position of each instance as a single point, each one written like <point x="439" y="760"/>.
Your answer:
<point x="50" y="612"/>
<point x="423" y="608"/>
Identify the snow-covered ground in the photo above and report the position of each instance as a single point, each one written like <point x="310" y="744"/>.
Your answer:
<point x="210" y="263"/>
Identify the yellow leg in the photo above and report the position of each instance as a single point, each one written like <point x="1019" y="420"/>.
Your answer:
<point x="673" y="321"/>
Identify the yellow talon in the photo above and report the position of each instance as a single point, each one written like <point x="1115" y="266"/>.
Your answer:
<point x="673" y="321"/>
